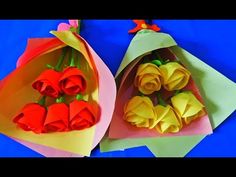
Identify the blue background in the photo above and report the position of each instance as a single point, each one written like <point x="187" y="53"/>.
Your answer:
<point x="213" y="41"/>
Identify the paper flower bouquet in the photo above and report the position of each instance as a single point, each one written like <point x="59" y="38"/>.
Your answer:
<point x="56" y="101"/>
<point x="157" y="95"/>
<point x="167" y="99"/>
<point x="61" y="99"/>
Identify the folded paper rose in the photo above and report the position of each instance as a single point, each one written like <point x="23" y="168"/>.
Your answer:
<point x="210" y="82"/>
<point x="166" y="120"/>
<point x="148" y="78"/>
<point x="47" y="83"/>
<point x="187" y="106"/>
<point x="25" y="121"/>
<point x="139" y="111"/>
<point x="174" y="76"/>
<point x="82" y="115"/>
<point x="72" y="81"/>
<point x="30" y="67"/>
<point x="57" y="118"/>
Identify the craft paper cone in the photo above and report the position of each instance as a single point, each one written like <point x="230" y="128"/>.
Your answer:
<point x="107" y="95"/>
<point x="212" y="86"/>
<point x="77" y="142"/>
<point x="122" y="129"/>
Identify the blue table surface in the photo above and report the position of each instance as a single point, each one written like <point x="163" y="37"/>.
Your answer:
<point x="213" y="41"/>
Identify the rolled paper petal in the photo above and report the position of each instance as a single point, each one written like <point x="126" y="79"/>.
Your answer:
<point x="74" y="23"/>
<point x="67" y="27"/>
<point x="147" y="78"/>
<point x="82" y="115"/>
<point x="134" y="30"/>
<point x="187" y="106"/>
<point x="155" y="28"/>
<point x="166" y="120"/>
<point x="31" y="117"/>
<point x="48" y="83"/>
<point x="141" y="24"/>
<point x="174" y="76"/>
<point x="72" y="81"/>
<point x="57" y="118"/>
<point x="139" y="112"/>
<point x="63" y="27"/>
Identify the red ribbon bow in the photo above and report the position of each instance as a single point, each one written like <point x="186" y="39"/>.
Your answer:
<point x="141" y="24"/>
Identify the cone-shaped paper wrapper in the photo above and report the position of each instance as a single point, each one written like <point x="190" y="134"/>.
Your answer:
<point x="119" y="128"/>
<point x="107" y="97"/>
<point x="210" y="82"/>
<point x="16" y="91"/>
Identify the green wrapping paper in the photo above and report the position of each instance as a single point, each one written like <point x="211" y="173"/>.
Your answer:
<point x="138" y="48"/>
<point x="211" y="83"/>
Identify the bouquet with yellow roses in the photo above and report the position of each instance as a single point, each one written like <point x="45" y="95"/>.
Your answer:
<point x="156" y="94"/>
<point x="165" y="95"/>
<point x="184" y="107"/>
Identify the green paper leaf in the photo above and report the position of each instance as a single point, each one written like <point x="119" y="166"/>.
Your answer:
<point x="73" y="29"/>
<point x="79" y="97"/>
<point x="49" y="66"/>
<point x="157" y="62"/>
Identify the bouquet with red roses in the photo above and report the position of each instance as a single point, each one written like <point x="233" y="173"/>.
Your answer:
<point x="55" y="100"/>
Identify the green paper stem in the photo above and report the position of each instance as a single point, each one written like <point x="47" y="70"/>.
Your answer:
<point x="140" y="94"/>
<point x="145" y="59"/>
<point x="49" y="66"/>
<point x="42" y="101"/>
<point x="72" y="59"/>
<point x="156" y="54"/>
<point x="163" y="61"/>
<point x="78" y="62"/>
<point x="160" y="100"/>
<point x="69" y="60"/>
<point x="177" y="92"/>
<point x="79" y="97"/>
<point x="61" y="99"/>
<point x="61" y="59"/>
<point x="79" y="27"/>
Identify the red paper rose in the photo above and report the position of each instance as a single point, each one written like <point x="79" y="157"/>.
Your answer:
<point x="72" y="81"/>
<point x="57" y="118"/>
<point x="31" y="117"/>
<point x="82" y="115"/>
<point x="47" y="83"/>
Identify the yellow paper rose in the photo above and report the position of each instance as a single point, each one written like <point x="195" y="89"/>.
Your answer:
<point x="174" y="76"/>
<point x="187" y="106"/>
<point x="166" y="120"/>
<point x="139" y="111"/>
<point x="147" y="78"/>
